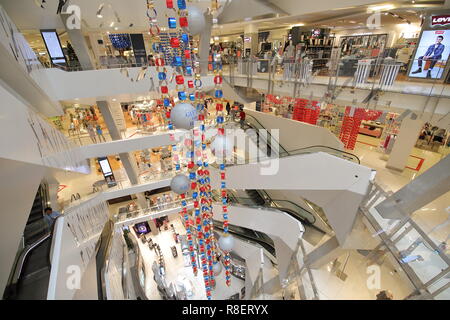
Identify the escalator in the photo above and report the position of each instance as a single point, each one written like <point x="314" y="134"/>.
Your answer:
<point x="256" y="196"/>
<point x="309" y="215"/>
<point x="266" y="144"/>
<point x="248" y="235"/>
<point x="260" y="198"/>
<point x="31" y="270"/>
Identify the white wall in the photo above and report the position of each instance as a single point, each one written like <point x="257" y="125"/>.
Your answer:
<point x="14" y="123"/>
<point x="295" y="134"/>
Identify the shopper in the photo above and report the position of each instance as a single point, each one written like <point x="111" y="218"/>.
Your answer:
<point x="233" y="113"/>
<point x="100" y="135"/>
<point x="71" y="129"/>
<point x="169" y="201"/>
<point x="91" y="131"/>
<point x="228" y="108"/>
<point x="385" y="295"/>
<point x="242" y="117"/>
<point x="50" y="216"/>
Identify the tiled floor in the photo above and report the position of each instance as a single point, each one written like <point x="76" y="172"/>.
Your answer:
<point x="429" y="216"/>
<point x="367" y="151"/>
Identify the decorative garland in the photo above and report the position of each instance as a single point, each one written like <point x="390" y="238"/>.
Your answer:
<point x="185" y="63"/>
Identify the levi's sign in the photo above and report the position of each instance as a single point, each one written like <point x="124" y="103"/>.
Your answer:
<point x="440" y="20"/>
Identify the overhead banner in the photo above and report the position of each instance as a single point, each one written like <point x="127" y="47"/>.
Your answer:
<point x="137" y="42"/>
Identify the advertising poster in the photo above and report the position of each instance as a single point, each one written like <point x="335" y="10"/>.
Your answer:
<point x="431" y="55"/>
<point x="53" y="45"/>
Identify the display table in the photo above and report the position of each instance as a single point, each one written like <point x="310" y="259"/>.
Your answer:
<point x="371" y="129"/>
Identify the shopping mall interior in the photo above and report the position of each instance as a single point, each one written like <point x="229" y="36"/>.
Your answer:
<point x="149" y="150"/>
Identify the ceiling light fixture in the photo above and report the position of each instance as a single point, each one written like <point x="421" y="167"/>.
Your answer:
<point x="99" y="11"/>
<point x="381" y="8"/>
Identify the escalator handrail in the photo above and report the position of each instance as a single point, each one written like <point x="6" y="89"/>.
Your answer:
<point x="21" y="260"/>
<point x="269" y="136"/>
<point x="102" y="255"/>
<point x="326" y="147"/>
<point x="139" y="291"/>
<point x="24" y="254"/>
<point x="289" y="153"/>
<point x="284" y="209"/>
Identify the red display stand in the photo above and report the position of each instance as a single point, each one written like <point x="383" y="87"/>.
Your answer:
<point x="352" y="121"/>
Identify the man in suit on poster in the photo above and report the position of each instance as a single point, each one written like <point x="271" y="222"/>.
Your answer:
<point x="434" y="53"/>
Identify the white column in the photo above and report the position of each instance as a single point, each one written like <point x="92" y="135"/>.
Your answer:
<point x="406" y="140"/>
<point x="108" y="116"/>
<point x="251" y="31"/>
<point x="205" y="39"/>
<point x="79" y="44"/>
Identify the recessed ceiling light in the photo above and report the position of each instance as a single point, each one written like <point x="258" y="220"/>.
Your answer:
<point x="382" y="7"/>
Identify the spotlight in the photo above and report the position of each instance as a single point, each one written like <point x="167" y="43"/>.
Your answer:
<point x="99" y="11"/>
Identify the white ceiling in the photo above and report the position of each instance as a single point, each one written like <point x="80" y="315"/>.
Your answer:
<point x="28" y="16"/>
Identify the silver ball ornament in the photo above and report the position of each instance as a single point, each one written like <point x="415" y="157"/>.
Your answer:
<point x="222" y="146"/>
<point x="226" y="242"/>
<point x="217" y="268"/>
<point x="180" y="184"/>
<point x="183" y="116"/>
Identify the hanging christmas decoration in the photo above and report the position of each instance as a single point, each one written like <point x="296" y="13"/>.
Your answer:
<point x="176" y="48"/>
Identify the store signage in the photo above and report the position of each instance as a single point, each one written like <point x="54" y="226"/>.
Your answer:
<point x="440" y="20"/>
<point x="137" y="41"/>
